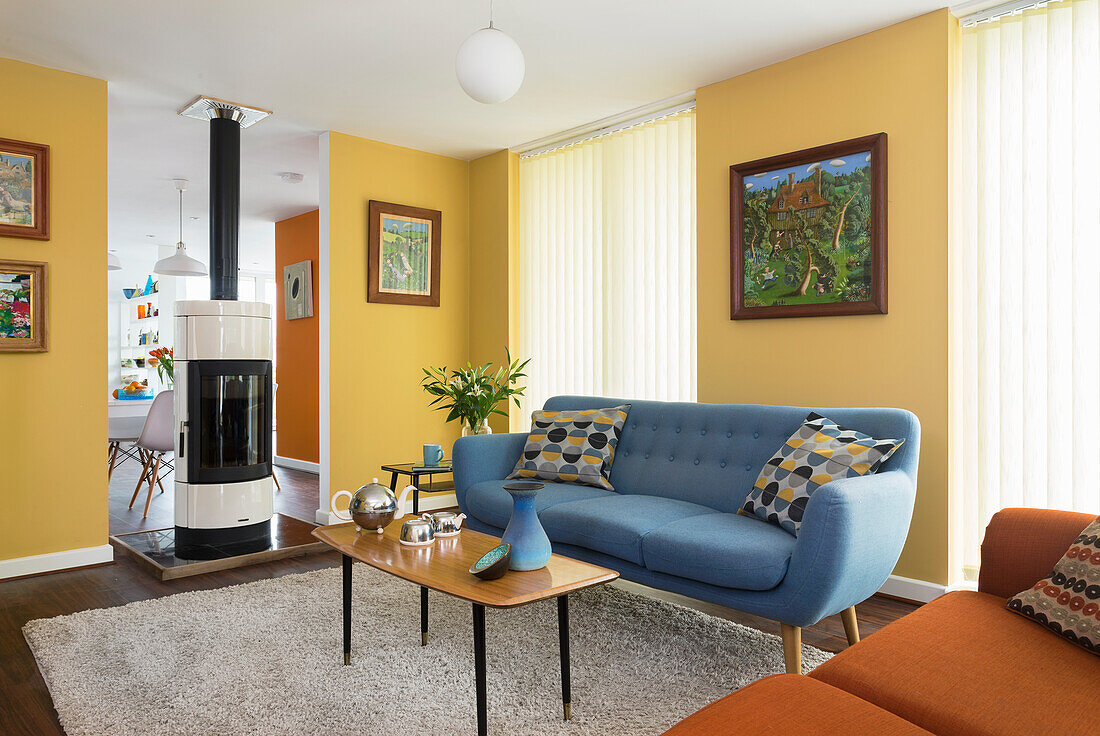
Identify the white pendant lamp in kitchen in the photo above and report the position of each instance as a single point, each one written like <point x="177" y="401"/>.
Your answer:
<point x="179" y="263"/>
<point x="490" y="64"/>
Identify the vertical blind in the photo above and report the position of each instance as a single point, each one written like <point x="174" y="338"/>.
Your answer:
<point x="1025" y="271"/>
<point x="607" y="265"/>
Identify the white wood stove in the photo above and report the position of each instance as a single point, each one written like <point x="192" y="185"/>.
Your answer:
<point x="223" y="404"/>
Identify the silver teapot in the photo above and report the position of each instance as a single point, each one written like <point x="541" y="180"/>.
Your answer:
<point x="445" y="523"/>
<point x="373" y="506"/>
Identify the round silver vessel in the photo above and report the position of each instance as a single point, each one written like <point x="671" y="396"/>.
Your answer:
<point x="417" y="533"/>
<point x="445" y="523"/>
<point x="372" y="506"/>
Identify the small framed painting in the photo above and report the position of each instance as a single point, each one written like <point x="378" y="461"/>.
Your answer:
<point x="298" y="290"/>
<point x="24" y="319"/>
<point x="24" y="190"/>
<point x="808" y="232"/>
<point x="403" y="254"/>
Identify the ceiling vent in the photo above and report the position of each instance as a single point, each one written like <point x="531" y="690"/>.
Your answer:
<point x="208" y="108"/>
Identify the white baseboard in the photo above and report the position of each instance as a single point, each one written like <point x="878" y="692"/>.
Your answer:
<point x="434" y="503"/>
<point x="56" y="561"/>
<point x="324" y="517"/>
<point x="295" y="464"/>
<point x="920" y="591"/>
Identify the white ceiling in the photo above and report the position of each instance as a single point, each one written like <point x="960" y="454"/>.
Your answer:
<point x="382" y="70"/>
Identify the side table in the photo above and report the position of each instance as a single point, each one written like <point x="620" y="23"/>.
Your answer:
<point x="415" y="471"/>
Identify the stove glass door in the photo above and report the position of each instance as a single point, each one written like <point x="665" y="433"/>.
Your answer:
<point x="230" y="420"/>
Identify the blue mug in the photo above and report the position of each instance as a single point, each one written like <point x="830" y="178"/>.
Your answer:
<point x="433" y="455"/>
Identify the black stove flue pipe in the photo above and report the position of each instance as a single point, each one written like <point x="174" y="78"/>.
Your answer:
<point x="225" y="202"/>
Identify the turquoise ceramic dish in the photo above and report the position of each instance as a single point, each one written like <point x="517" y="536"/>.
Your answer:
<point x="494" y="563"/>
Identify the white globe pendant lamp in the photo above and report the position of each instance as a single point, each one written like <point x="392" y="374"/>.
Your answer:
<point x="179" y="263"/>
<point x="113" y="263"/>
<point x="490" y="65"/>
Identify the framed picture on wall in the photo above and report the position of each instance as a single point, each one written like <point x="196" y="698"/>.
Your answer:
<point x="403" y="254"/>
<point x="24" y="308"/>
<point x="24" y="190"/>
<point x="298" y="290"/>
<point x="808" y="232"/>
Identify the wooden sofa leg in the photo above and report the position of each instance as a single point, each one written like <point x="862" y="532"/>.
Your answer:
<point x="851" y="626"/>
<point x="792" y="648"/>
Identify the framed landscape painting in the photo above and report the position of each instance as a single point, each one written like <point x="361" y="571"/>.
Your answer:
<point x="24" y="320"/>
<point x="808" y="232"/>
<point x="403" y="254"/>
<point x="24" y="190"/>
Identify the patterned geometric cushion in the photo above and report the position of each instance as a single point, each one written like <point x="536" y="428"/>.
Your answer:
<point x="1067" y="601"/>
<point x="572" y="446"/>
<point x="819" y="452"/>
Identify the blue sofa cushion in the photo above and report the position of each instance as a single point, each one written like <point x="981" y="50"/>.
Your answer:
<point x="490" y="503"/>
<point x="726" y="550"/>
<point x="819" y="452"/>
<point x="615" y="524"/>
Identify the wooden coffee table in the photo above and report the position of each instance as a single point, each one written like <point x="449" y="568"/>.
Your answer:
<point x="444" y="566"/>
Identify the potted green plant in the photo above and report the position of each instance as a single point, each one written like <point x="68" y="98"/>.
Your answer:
<point x="472" y="394"/>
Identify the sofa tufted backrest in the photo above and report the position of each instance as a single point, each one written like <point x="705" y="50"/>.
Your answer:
<point x="711" y="454"/>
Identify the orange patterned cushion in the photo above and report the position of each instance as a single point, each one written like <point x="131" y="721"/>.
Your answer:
<point x="1067" y="601"/>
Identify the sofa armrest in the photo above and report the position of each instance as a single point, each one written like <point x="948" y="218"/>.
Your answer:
<point x="483" y="457"/>
<point x="851" y="536"/>
<point x="1021" y="546"/>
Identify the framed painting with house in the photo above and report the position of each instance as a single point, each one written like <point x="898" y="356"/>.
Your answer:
<point x="24" y="308"/>
<point x="808" y="232"/>
<point x="403" y="254"/>
<point x="24" y="189"/>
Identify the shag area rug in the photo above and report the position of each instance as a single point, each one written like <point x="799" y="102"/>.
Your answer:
<point x="266" y="658"/>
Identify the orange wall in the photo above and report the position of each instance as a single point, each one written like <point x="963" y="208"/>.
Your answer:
<point x="297" y="357"/>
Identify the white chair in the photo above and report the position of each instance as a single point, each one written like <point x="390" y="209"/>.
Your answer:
<point x="122" y="433"/>
<point x="155" y="440"/>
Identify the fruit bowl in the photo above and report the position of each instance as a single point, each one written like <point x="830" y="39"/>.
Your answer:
<point x="134" y="391"/>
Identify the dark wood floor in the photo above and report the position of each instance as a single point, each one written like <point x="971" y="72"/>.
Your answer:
<point x="25" y="705"/>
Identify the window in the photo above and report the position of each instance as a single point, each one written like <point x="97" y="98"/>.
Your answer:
<point x="804" y="199"/>
<point x="781" y="216"/>
<point x="607" y="264"/>
<point x="1025" y="311"/>
<point x="246" y="289"/>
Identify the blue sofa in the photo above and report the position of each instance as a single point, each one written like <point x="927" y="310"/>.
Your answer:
<point x="680" y="473"/>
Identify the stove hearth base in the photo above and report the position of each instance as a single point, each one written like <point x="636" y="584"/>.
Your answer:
<point x="156" y="550"/>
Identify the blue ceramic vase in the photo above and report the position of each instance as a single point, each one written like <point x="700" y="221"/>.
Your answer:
<point x="530" y="545"/>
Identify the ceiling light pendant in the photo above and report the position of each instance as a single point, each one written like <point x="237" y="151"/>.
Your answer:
<point x="490" y="65"/>
<point x="113" y="264"/>
<point x="179" y="263"/>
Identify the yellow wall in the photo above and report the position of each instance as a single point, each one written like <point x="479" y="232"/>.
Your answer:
<point x="378" y="413"/>
<point x="493" y="195"/>
<point x="894" y="80"/>
<point x="53" y="488"/>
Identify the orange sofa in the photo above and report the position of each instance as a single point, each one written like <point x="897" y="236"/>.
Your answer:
<point x="962" y="665"/>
